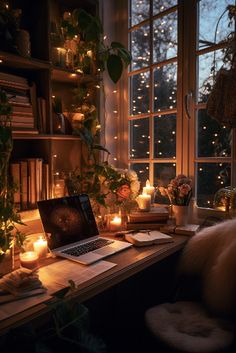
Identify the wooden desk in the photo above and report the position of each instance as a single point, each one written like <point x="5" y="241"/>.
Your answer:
<point x="129" y="262"/>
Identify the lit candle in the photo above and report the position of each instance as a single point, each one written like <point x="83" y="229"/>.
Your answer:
<point x="144" y="202"/>
<point x="29" y="259"/>
<point x="115" y="223"/>
<point x="150" y="190"/>
<point x="41" y="247"/>
<point x="90" y="53"/>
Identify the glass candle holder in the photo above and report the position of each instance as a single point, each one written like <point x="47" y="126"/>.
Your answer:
<point x="114" y="222"/>
<point x="29" y="259"/>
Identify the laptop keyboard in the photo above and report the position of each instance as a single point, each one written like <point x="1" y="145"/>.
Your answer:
<point x="87" y="247"/>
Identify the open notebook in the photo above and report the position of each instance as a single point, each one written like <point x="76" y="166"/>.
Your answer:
<point x="71" y="229"/>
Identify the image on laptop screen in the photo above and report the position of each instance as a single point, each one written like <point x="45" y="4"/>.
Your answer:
<point x="67" y="220"/>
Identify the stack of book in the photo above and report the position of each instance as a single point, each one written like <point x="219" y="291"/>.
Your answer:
<point x="32" y="178"/>
<point x="153" y="219"/>
<point x="22" y="97"/>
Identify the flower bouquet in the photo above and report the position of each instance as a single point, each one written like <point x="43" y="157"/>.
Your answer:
<point x="179" y="190"/>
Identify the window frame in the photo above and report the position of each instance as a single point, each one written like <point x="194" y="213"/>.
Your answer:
<point x="186" y="127"/>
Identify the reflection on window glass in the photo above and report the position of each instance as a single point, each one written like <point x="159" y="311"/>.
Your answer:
<point x="214" y="140"/>
<point x="165" y="136"/>
<point x="165" y="37"/>
<point x="139" y="11"/>
<point x="139" y="138"/>
<point x="165" y="86"/>
<point x="140" y="48"/>
<point x="163" y="173"/>
<point x="209" y="14"/>
<point x="210" y="178"/>
<point x="139" y="93"/>
<point x="206" y="73"/>
<point x="142" y="170"/>
<point x="160" y="6"/>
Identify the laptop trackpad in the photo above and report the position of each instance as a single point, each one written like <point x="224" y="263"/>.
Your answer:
<point x="89" y="258"/>
<point x="106" y="250"/>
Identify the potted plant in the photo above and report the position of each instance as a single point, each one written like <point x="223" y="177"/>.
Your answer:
<point x="9" y="234"/>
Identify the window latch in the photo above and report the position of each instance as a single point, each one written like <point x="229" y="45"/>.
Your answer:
<point x="187" y="99"/>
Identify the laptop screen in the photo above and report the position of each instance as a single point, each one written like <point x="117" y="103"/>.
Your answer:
<point x="67" y="220"/>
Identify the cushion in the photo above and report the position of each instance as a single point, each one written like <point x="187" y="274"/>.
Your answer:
<point x="186" y="326"/>
<point x="210" y="254"/>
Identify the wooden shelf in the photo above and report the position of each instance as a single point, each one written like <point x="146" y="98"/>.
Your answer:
<point x="19" y="62"/>
<point x="44" y="137"/>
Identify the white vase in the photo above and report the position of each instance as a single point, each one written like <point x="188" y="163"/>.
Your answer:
<point x="180" y="214"/>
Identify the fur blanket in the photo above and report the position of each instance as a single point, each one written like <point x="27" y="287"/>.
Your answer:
<point x="211" y="254"/>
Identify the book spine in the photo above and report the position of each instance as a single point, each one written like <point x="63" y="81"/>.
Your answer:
<point x="24" y="184"/>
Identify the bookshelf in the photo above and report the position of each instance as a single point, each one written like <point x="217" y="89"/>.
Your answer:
<point x="31" y="80"/>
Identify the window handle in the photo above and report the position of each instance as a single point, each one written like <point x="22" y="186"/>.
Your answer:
<point x="187" y="99"/>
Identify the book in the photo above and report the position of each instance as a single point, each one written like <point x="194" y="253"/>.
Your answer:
<point x="148" y="237"/>
<point x="24" y="184"/>
<point x="189" y="229"/>
<point x="155" y="214"/>
<point x="145" y="225"/>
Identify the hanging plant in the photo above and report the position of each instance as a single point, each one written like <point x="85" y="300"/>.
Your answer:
<point x="221" y="104"/>
<point x="9" y="234"/>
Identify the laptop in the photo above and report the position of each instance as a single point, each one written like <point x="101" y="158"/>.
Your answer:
<point x="72" y="232"/>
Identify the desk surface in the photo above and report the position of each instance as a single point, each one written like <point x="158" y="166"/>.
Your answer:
<point x="129" y="262"/>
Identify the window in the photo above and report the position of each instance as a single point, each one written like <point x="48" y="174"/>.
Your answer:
<point x="174" y="45"/>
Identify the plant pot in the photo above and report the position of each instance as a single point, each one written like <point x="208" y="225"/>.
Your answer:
<point x="180" y="214"/>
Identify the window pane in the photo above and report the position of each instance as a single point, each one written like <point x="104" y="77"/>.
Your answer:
<point x="140" y="48"/>
<point x="165" y="136"/>
<point x="165" y="37"/>
<point x="210" y="178"/>
<point x="205" y="73"/>
<point x="139" y="93"/>
<point x="160" y="6"/>
<point x="163" y="173"/>
<point x="142" y="170"/>
<point x="139" y="11"/>
<point x="213" y="140"/>
<point x="139" y="138"/>
<point x="209" y="14"/>
<point x="165" y="85"/>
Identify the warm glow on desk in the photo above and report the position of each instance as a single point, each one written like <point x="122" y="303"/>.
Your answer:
<point x="41" y="247"/>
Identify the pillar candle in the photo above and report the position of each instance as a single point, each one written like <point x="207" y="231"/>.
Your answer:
<point x="41" y="247"/>
<point x="144" y="202"/>
<point x="150" y="190"/>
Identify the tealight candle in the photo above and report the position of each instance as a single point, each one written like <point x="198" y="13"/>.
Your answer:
<point x="144" y="202"/>
<point x="150" y="190"/>
<point x="41" y="247"/>
<point x="115" y="223"/>
<point x="29" y="259"/>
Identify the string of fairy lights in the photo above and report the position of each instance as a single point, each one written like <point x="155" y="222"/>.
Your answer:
<point x="140" y="86"/>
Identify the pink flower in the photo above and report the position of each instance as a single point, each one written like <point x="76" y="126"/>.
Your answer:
<point x="184" y="189"/>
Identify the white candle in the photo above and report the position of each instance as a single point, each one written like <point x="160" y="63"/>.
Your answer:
<point x="144" y="202"/>
<point x="150" y="190"/>
<point x="29" y="259"/>
<point x="41" y="247"/>
<point x="115" y="223"/>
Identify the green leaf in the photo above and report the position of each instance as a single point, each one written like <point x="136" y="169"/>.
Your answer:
<point x="117" y="45"/>
<point x="125" y="56"/>
<point x="100" y="148"/>
<point x="114" y="67"/>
